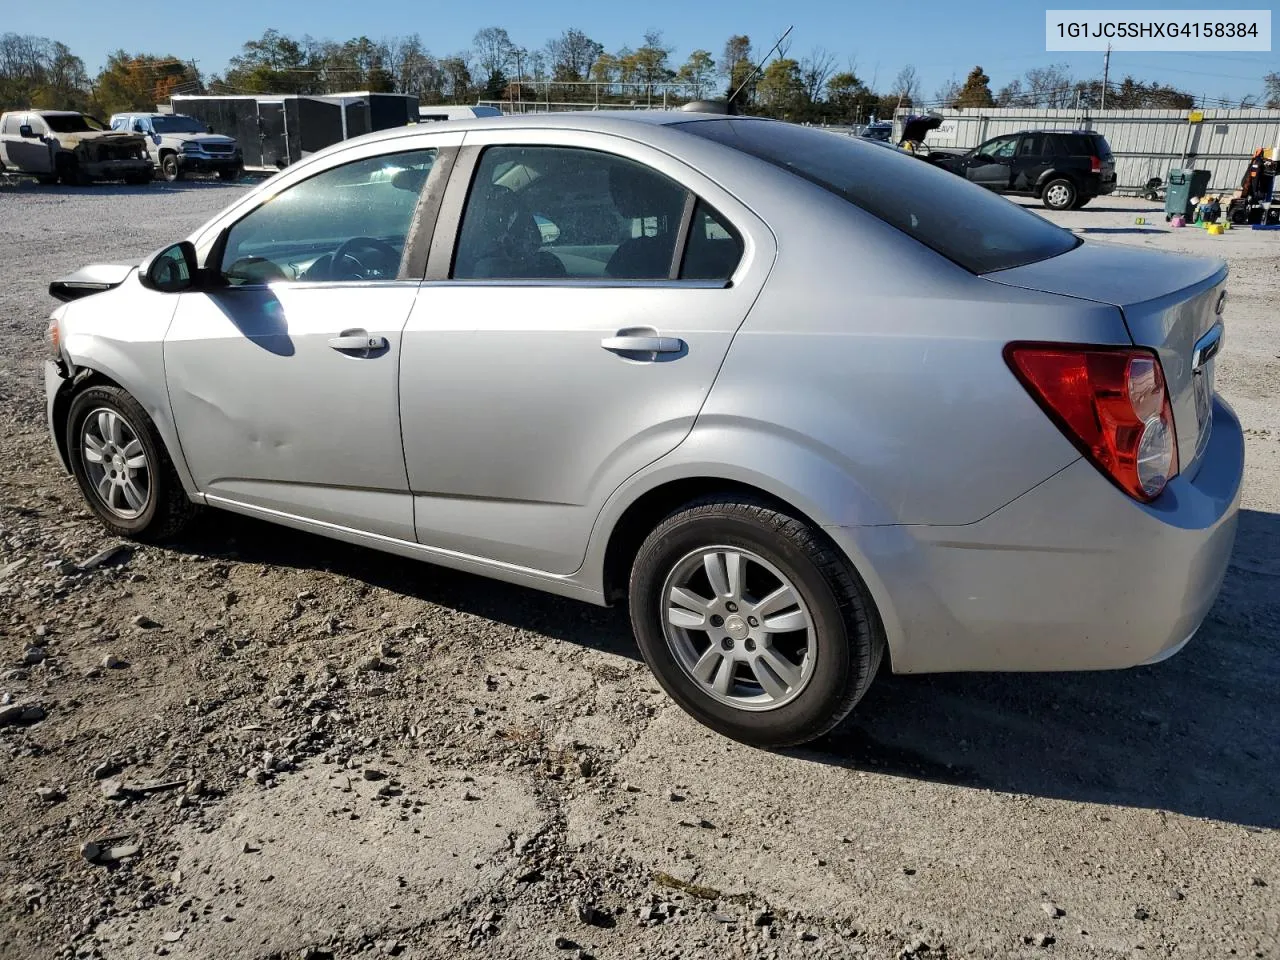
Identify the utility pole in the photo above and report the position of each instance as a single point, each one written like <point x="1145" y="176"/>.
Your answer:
<point x="1106" y="72"/>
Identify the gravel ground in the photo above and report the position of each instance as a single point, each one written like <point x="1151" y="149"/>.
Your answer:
<point x="255" y="743"/>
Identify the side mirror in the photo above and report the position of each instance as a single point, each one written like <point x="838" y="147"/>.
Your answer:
<point x="170" y="270"/>
<point x="26" y="131"/>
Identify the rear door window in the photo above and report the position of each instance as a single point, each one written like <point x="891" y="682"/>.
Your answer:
<point x="714" y="247"/>
<point x="1031" y="145"/>
<point x="539" y="212"/>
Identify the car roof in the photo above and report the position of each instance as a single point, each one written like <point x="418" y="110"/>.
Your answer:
<point x="621" y="122"/>
<point x="52" y="113"/>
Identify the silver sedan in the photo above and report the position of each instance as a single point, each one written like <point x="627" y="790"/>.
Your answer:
<point x="804" y="403"/>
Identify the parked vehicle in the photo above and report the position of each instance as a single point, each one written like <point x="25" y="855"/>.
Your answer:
<point x="54" y="145"/>
<point x="1064" y="169"/>
<point x="179" y="145"/>
<point x="634" y="372"/>
<point x="431" y="114"/>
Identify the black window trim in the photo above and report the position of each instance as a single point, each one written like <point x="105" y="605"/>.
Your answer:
<point x="444" y="243"/>
<point x="417" y="239"/>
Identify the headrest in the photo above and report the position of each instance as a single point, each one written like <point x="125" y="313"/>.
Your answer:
<point x="638" y="193"/>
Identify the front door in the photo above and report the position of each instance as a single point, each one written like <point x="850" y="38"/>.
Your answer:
<point x="567" y="339"/>
<point x="283" y="381"/>
<point x="991" y="165"/>
<point x="1032" y="160"/>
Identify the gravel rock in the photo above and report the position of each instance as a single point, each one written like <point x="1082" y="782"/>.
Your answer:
<point x="1043" y="939"/>
<point x="16" y="714"/>
<point x="1140" y="913"/>
<point x="143" y="622"/>
<point x="112" y="662"/>
<point x="1052" y="910"/>
<point x="33" y="656"/>
<point x="50" y="794"/>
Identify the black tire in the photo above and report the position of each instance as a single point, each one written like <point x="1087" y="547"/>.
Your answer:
<point x="227" y="175"/>
<point x="69" y="172"/>
<point x="1059" y="194"/>
<point x="170" y="169"/>
<point x="47" y="179"/>
<point x="847" y="629"/>
<point x="137" y="179"/>
<point x="167" y="508"/>
<point x="1081" y="203"/>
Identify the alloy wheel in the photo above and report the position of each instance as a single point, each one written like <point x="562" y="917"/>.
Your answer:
<point x="115" y="463"/>
<point x="739" y="628"/>
<point x="1059" y="195"/>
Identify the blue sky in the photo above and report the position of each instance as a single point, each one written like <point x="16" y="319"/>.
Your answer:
<point x="941" y="38"/>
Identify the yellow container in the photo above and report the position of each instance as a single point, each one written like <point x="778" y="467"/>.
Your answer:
<point x="1214" y="228"/>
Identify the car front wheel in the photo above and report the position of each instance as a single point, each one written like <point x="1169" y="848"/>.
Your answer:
<point x="169" y="168"/>
<point x="1059" y="195"/>
<point x="753" y="622"/>
<point x="122" y="467"/>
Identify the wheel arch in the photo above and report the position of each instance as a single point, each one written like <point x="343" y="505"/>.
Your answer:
<point x="613" y="549"/>
<point x="155" y="404"/>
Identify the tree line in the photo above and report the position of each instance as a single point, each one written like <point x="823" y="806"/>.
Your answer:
<point x="570" y="68"/>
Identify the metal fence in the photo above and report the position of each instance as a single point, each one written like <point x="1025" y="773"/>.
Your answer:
<point x="1146" y="143"/>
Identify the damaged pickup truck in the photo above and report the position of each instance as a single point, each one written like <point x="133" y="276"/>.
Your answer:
<point x="61" y="145"/>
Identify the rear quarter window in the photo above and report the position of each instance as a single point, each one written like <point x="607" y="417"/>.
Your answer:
<point x="965" y="223"/>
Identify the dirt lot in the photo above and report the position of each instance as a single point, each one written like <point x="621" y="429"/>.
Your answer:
<point x="313" y="750"/>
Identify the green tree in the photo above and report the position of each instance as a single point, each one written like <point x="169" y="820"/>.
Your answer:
<point x="781" y="88"/>
<point x="976" y="91"/>
<point x="697" y="72"/>
<point x="39" y="72"/>
<point x="274" y="63"/>
<point x="848" y="98"/>
<point x="456" y="71"/>
<point x="736" y="65"/>
<point x="651" y="62"/>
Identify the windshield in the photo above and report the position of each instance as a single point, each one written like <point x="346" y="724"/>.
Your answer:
<point x="71" y="123"/>
<point x="177" y="125"/>
<point x="965" y="223"/>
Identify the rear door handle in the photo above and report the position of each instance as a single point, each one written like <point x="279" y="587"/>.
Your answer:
<point x="643" y="344"/>
<point x="357" y="341"/>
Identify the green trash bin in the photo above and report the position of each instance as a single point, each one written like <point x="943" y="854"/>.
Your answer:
<point x="1184" y="186"/>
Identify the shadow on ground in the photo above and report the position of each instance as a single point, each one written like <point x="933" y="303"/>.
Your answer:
<point x="1197" y="735"/>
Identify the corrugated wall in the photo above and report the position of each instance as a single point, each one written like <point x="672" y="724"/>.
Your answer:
<point x="1146" y="143"/>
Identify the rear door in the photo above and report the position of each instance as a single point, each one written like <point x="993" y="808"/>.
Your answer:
<point x="1031" y="162"/>
<point x="581" y="294"/>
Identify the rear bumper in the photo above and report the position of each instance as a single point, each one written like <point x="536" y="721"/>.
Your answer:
<point x="1073" y="575"/>
<point x="1106" y="186"/>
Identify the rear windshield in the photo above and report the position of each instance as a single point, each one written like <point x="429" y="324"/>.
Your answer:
<point x="967" y="224"/>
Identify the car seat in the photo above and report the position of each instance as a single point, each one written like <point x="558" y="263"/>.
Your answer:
<point x="638" y="194"/>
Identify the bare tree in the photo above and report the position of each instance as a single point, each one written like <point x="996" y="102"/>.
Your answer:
<point x="906" y="85"/>
<point x="815" y="71"/>
<point x="572" y="54"/>
<point x="946" y="95"/>
<point x="493" y="50"/>
<point x="1010" y="94"/>
<point x="1050" y="86"/>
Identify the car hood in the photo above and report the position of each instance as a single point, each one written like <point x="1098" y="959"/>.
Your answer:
<point x="72" y="139"/>
<point x="94" y="278"/>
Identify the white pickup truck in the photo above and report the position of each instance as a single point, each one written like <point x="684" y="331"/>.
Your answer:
<point x="54" y="145"/>
<point x="179" y="145"/>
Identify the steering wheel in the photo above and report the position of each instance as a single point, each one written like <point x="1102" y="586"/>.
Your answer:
<point x="343" y="256"/>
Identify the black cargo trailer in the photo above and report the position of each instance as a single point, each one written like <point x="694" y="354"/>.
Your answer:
<point x="275" y="131"/>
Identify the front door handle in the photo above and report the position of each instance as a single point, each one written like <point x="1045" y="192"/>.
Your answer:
<point x="643" y="344"/>
<point x="357" y="341"/>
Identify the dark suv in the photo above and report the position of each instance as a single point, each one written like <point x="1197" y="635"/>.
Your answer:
<point x="1064" y="169"/>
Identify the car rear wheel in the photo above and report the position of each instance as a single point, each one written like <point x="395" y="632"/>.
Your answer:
<point x="169" y="167"/>
<point x="1081" y="202"/>
<point x="1059" y="194"/>
<point x="753" y="622"/>
<point x="122" y="467"/>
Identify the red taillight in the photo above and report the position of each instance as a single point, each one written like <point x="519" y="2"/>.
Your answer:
<point x="1112" y="403"/>
<point x="1095" y="165"/>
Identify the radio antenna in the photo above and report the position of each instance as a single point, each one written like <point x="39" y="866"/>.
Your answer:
<point x="751" y="76"/>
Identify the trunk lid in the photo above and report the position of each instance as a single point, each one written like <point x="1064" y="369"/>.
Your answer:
<point x="1170" y="302"/>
